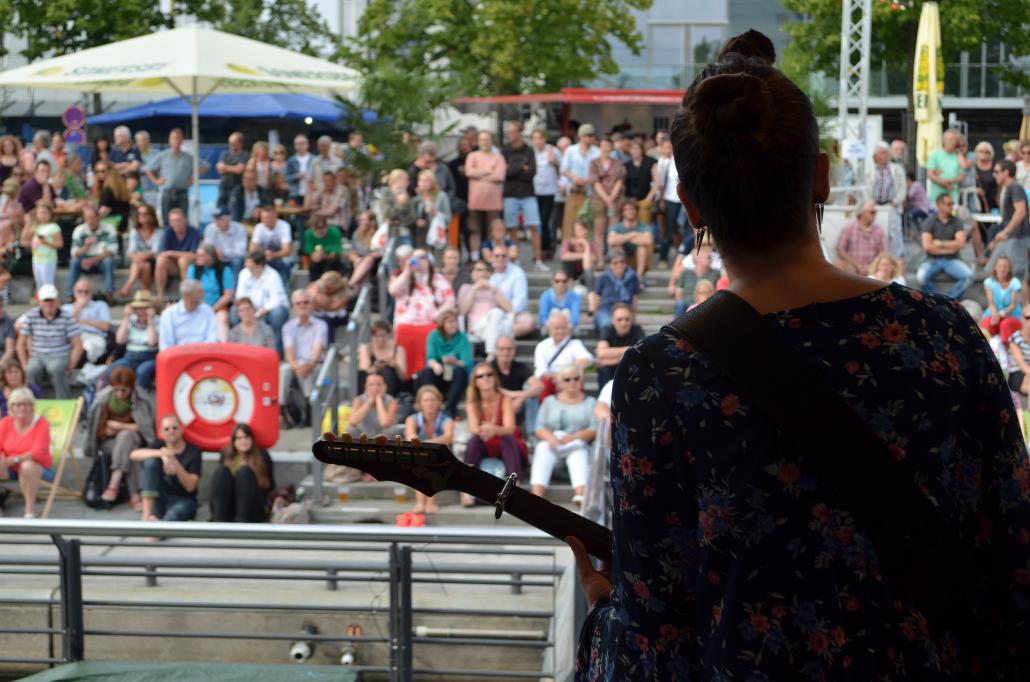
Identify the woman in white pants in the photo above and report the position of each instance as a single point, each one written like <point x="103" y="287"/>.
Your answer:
<point x="487" y="309"/>
<point x="565" y="427"/>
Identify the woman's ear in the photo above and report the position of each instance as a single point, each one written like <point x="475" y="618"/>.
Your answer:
<point x="821" y="181"/>
<point x="693" y="213"/>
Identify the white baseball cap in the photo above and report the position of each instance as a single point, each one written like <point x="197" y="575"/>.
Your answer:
<point x="48" y="292"/>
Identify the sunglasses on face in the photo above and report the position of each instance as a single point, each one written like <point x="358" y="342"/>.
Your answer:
<point x="170" y="428"/>
<point x="485" y="375"/>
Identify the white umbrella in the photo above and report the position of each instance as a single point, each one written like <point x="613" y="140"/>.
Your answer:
<point x="192" y="62"/>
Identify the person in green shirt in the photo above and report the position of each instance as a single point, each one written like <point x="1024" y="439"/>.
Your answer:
<point x="323" y="245"/>
<point x="944" y="168"/>
<point x="44" y="239"/>
<point x="448" y="360"/>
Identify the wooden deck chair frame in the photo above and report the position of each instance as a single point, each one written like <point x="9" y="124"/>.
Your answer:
<point x="64" y="453"/>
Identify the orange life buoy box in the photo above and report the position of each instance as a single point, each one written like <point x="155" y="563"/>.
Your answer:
<point x="213" y="386"/>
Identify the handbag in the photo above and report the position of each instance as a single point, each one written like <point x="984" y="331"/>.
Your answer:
<point x="929" y="569"/>
<point x="436" y="234"/>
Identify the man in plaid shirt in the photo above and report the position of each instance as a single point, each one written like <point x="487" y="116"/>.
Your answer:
<point x="861" y="241"/>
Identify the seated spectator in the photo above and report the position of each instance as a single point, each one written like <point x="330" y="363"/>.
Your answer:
<point x="24" y="447"/>
<point x="887" y="268"/>
<point x="304" y="340"/>
<point x="456" y="273"/>
<point x="120" y="420"/>
<point x="510" y="280"/>
<point x="383" y="355"/>
<point x="517" y="381"/>
<point x="331" y="204"/>
<point x="114" y="201"/>
<point x="144" y="243"/>
<point x="374" y="411"/>
<point x="420" y="294"/>
<point x="603" y="407"/>
<point x="492" y="429"/>
<point x="93" y="318"/>
<point x="12" y="377"/>
<point x="363" y="256"/>
<point x="633" y="237"/>
<point x="323" y="246"/>
<point x="178" y="248"/>
<point x="330" y="298"/>
<point x="498" y="237"/>
<point x="138" y="333"/>
<point x="218" y="282"/>
<point x="616" y="339"/>
<point x="170" y="475"/>
<point x="617" y="284"/>
<point x="244" y="481"/>
<point x="188" y="321"/>
<point x="703" y="291"/>
<point x="36" y="188"/>
<point x="448" y="360"/>
<point x="432" y="208"/>
<point x="229" y="239"/>
<point x="45" y="240"/>
<point x="429" y="424"/>
<point x="683" y="285"/>
<point x="8" y="335"/>
<point x="486" y="309"/>
<point x="273" y="237"/>
<point x="565" y="428"/>
<point x="917" y="203"/>
<point x="1004" y="300"/>
<point x="561" y="298"/>
<point x="50" y="345"/>
<point x="943" y="239"/>
<point x="556" y="351"/>
<point x="264" y="287"/>
<point x="860" y="241"/>
<point x="250" y="331"/>
<point x="246" y="200"/>
<point x="94" y="246"/>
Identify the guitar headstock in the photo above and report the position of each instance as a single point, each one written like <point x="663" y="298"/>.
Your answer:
<point x="427" y="467"/>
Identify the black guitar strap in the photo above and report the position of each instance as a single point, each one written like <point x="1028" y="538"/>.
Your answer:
<point x="927" y="566"/>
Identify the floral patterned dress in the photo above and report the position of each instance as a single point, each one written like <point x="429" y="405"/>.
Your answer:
<point x="732" y="564"/>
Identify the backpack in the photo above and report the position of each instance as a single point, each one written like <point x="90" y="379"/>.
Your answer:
<point x="96" y="483"/>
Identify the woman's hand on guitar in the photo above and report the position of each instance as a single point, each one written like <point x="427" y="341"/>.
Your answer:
<point x="597" y="585"/>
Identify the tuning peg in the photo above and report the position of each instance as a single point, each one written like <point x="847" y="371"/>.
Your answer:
<point x="329" y="436"/>
<point x="416" y="441"/>
<point x="346" y="438"/>
<point x="381" y="439"/>
<point x="398" y="441"/>
<point x="363" y="439"/>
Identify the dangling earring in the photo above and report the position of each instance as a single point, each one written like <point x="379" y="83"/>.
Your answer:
<point x="700" y="238"/>
<point x="819" y="208"/>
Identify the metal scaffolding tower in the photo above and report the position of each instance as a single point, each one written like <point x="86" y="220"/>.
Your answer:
<point x="853" y="94"/>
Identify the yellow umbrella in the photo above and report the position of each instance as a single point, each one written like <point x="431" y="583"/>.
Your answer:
<point x="928" y="83"/>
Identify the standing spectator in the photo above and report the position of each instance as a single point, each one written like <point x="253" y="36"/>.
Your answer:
<point x="427" y="160"/>
<point x="243" y="481"/>
<point x="420" y="294"/>
<point x="37" y="188"/>
<point x="899" y="153"/>
<point x="616" y="339"/>
<point x="885" y="185"/>
<point x="94" y="245"/>
<point x="246" y="200"/>
<point x="559" y="297"/>
<point x="323" y="245"/>
<point x="219" y="283"/>
<point x="396" y="207"/>
<point x="125" y="157"/>
<point x="578" y="253"/>
<point x="93" y="318"/>
<point x="250" y="331"/>
<point x="383" y="355"/>
<point x="265" y="290"/>
<point x="486" y="309"/>
<point x="144" y="243"/>
<point x="172" y="172"/>
<point x="41" y="148"/>
<point x="188" y="321"/>
<point x="642" y="183"/>
<point x="229" y="239"/>
<point x="101" y="151"/>
<point x="332" y="203"/>
<point x="24" y="447"/>
<point x="278" y="164"/>
<point x="607" y="180"/>
<point x="448" y="360"/>
<point x="329" y="299"/>
<point x="558" y="350"/>
<point x="565" y="429"/>
<point x="660" y="138"/>
<point x="620" y="147"/>
<point x="304" y="340"/>
<point x="668" y="177"/>
<point x="545" y="187"/>
<point x="45" y="239"/>
<point x="1004" y="300"/>
<point x="112" y="195"/>
<point x="517" y="380"/>
<point x="146" y="155"/>
<point x="57" y="152"/>
<point x="493" y="431"/>
<point x="618" y="284"/>
<point x="10" y="147"/>
<point x="274" y="238"/>
<point x="178" y="248"/>
<point x="986" y="193"/>
<point x="1011" y="237"/>
<point x="138" y="333"/>
<point x="510" y="280"/>
<point x="943" y="239"/>
<point x="860" y="241"/>
<point x="461" y="188"/>
<point x="485" y="171"/>
<point x="260" y="162"/>
<point x="1023" y="165"/>
<point x="429" y="424"/>
<point x="50" y="345"/>
<point x="298" y="171"/>
<point x="231" y="164"/>
<point x="170" y="475"/>
<point x="519" y="197"/>
<point x="633" y="236"/>
<point x="575" y="171"/>
<point x="432" y="211"/>
<point x="944" y="168"/>
<point x="324" y="162"/>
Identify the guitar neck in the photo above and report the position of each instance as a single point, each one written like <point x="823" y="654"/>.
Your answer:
<point x="556" y="521"/>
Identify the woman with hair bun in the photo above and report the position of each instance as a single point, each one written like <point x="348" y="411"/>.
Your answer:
<point x="733" y="560"/>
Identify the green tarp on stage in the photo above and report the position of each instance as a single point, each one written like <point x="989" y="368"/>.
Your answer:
<point x="129" y="671"/>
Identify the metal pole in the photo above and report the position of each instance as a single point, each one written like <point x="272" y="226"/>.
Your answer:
<point x="406" y="624"/>
<point x="73" y="640"/>
<point x="195" y="122"/>
<point x="394" y="665"/>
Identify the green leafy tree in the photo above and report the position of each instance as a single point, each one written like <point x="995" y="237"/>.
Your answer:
<point x="965" y="25"/>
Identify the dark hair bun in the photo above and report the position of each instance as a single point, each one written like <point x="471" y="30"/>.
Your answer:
<point x="735" y="102"/>
<point x="750" y="44"/>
